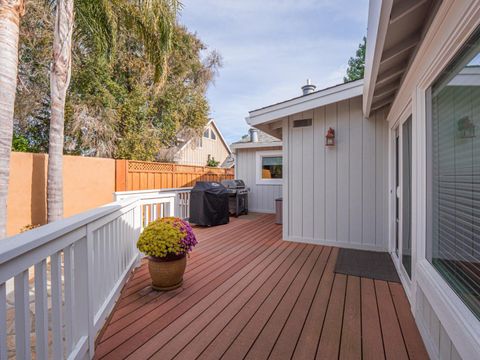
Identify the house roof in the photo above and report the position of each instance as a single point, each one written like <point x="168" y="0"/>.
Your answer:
<point x="211" y="122"/>
<point x="264" y="140"/>
<point x="395" y="30"/>
<point x="306" y="102"/>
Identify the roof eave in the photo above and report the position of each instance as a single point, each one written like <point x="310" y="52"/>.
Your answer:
<point x="304" y="103"/>
<point x="378" y="19"/>
<point x="253" y="145"/>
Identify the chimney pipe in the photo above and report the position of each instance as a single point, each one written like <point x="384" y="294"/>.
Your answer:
<point x="308" y="88"/>
<point x="253" y="135"/>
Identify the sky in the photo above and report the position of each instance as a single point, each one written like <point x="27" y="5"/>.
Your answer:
<point x="269" y="49"/>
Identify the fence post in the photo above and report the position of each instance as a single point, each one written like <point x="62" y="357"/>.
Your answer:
<point x="120" y="175"/>
<point x="174" y="176"/>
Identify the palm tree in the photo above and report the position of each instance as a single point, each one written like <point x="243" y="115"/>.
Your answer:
<point x="152" y="21"/>
<point x="59" y="81"/>
<point x="10" y="13"/>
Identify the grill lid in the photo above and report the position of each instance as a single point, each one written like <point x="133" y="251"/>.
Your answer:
<point x="234" y="184"/>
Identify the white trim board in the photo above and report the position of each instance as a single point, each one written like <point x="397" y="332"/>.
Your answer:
<point x="334" y="243"/>
<point x="253" y="145"/>
<point x="378" y="20"/>
<point x="456" y="318"/>
<point x="307" y="102"/>
<point x="261" y="211"/>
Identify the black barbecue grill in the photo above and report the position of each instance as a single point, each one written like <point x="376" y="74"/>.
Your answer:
<point x="209" y="203"/>
<point x="238" y="196"/>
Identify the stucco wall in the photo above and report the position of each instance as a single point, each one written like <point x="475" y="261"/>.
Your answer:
<point x="88" y="183"/>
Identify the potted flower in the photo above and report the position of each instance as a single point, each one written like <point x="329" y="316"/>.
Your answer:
<point x="166" y="242"/>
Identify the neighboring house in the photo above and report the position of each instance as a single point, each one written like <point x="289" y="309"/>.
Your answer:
<point x="196" y="150"/>
<point x="258" y="161"/>
<point x="403" y="175"/>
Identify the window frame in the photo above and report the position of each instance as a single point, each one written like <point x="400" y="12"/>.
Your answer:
<point x="213" y="136"/>
<point x="258" y="167"/>
<point x="429" y="177"/>
<point x="459" y="322"/>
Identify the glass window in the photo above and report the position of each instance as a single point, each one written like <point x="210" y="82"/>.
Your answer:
<point x="212" y="135"/>
<point x="271" y="167"/>
<point x="453" y="226"/>
<point x="206" y="133"/>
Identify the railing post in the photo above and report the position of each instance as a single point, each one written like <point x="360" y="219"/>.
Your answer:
<point x="137" y="224"/>
<point x="90" y="292"/>
<point x="22" y="316"/>
<point x="3" y="322"/>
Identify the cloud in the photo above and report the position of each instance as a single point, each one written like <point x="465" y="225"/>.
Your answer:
<point x="270" y="47"/>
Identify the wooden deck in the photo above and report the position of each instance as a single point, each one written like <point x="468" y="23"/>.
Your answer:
<point x="249" y="295"/>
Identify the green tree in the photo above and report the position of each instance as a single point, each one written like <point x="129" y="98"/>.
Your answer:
<point x="150" y="21"/>
<point x="356" y="64"/>
<point x="114" y="106"/>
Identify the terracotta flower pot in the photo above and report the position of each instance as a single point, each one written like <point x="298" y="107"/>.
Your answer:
<point x="167" y="273"/>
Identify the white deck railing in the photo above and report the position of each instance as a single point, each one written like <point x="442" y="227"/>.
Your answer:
<point x="59" y="282"/>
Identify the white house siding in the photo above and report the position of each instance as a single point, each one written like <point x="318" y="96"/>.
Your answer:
<point x="433" y="331"/>
<point x="192" y="154"/>
<point x="449" y="329"/>
<point x="261" y="197"/>
<point x="337" y="195"/>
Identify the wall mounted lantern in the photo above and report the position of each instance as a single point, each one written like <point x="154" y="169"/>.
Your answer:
<point x="330" y="137"/>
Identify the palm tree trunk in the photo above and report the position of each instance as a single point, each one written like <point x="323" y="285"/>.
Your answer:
<point x="59" y="81"/>
<point x="10" y="13"/>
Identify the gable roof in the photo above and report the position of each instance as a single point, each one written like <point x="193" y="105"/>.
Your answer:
<point x="211" y="122"/>
<point x="306" y="102"/>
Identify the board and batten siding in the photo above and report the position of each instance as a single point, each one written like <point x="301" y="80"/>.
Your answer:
<point x="261" y="198"/>
<point x="337" y="195"/>
<point x="432" y="329"/>
<point x="192" y="154"/>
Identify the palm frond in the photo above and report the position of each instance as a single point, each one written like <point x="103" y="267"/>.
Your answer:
<point x="97" y="24"/>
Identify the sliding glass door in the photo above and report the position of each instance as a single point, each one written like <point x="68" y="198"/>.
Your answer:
<point x="403" y="195"/>
<point x="407" y="196"/>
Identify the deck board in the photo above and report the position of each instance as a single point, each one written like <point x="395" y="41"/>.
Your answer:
<point x="372" y="343"/>
<point x="248" y="294"/>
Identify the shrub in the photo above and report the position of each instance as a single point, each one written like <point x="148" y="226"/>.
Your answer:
<point x="29" y="227"/>
<point x="167" y="237"/>
<point x="211" y="162"/>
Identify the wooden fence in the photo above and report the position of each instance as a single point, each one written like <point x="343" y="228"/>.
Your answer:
<point x="141" y="175"/>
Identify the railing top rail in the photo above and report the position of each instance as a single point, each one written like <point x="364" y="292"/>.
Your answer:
<point x="17" y="245"/>
<point x="153" y="191"/>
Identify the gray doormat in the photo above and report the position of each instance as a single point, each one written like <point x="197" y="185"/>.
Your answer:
<point x="368" y="264"/>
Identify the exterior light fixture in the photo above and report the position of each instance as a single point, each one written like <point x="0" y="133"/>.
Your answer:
<point x="330" y="137"/>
